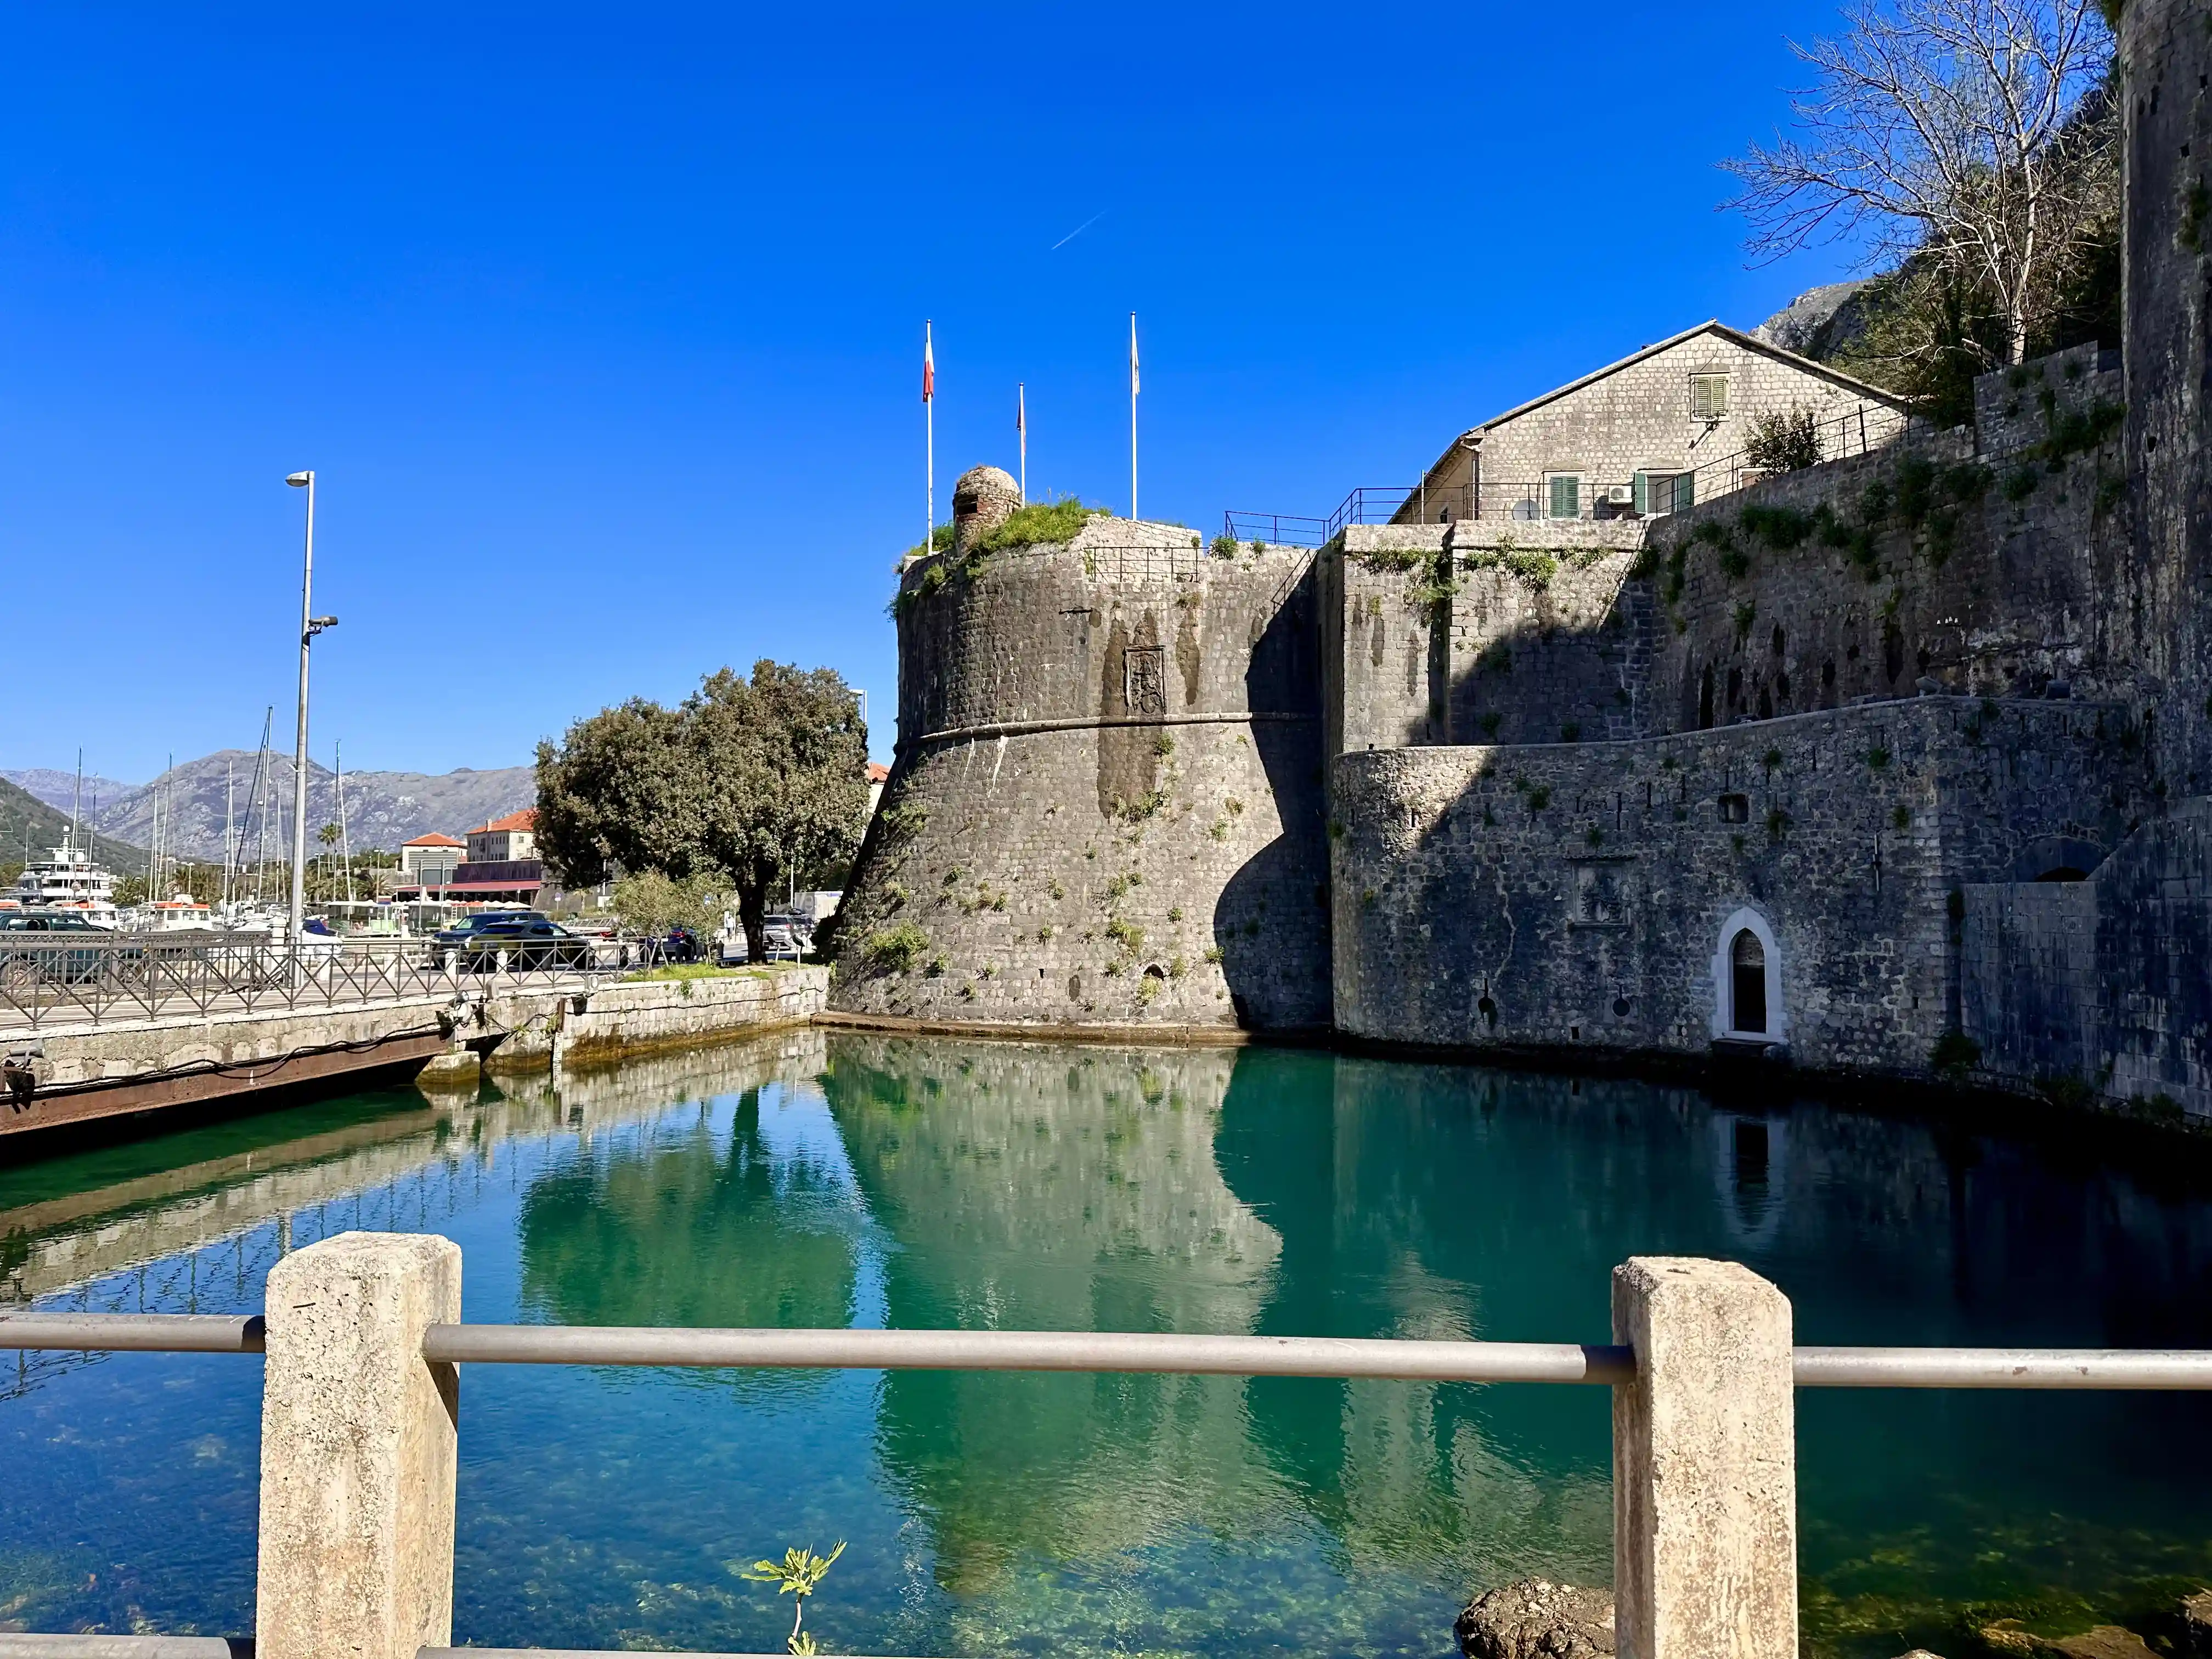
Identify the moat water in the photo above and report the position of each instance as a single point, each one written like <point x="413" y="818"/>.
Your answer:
<point x="854" y="1180"/>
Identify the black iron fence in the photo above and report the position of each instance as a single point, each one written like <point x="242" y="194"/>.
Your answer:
<point x="74" y="979"/>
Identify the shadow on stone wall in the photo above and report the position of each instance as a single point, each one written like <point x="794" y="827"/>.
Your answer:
<point x="1271" y="919"/>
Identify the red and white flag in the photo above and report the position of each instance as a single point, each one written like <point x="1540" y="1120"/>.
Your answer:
<point x="929" y="367"/>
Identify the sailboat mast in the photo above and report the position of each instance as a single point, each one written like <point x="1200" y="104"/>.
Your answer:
<point x="345" y="840"/>
<point x="261" y="839"/>
<point x="229" y="820"/>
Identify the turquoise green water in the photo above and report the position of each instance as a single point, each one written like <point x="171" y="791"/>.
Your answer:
<point x="870" y="1181"/>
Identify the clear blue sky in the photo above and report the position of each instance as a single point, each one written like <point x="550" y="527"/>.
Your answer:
<point x="603" y="328"/>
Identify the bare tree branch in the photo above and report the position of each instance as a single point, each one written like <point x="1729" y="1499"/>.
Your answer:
<point x="1933" y="128"/>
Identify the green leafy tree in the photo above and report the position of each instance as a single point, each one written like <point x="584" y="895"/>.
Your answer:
<point x="786" y="762"/>
<point x="620" y="787"/>
<point x="650" y="902"/>
<point x="762" y="782"/>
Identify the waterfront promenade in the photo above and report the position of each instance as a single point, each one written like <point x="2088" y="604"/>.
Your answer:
<point x="125" y="1026"/>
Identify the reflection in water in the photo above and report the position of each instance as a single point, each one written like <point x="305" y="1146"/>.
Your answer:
<point x="870" y="1180"/>
<point x="691" y="1226"/>
<point x="1033" y="1189"/>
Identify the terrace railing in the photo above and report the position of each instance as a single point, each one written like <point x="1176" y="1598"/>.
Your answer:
<point x="48" y="981"/>
<point x="1370" y="504"/>
<point x="361" y="1413"/>
<point x="1659" y="492"/>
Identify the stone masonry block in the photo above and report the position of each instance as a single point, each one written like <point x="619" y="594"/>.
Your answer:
<point x="1704" y="1464"/>
<point x="357" y="1451"/>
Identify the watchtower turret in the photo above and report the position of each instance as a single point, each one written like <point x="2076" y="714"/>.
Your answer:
<point x="983" y="499"/>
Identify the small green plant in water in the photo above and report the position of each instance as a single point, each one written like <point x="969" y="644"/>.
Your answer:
<point x="799" y="1575"/>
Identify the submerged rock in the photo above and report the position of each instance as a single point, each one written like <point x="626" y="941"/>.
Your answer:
<point x="2197" y="1624"/>
<point x="1536" y="1619"/>
<point x="2102" y="1642"/>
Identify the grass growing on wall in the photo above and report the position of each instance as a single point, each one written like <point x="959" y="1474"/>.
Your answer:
<point x="1038" y="524"/>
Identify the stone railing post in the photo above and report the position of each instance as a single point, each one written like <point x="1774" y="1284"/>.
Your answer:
<point x="1705" y="1475"/>
<point x="357" y="1451"/>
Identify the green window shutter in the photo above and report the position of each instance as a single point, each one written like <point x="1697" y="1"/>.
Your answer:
<point x="1642" y="503"/>
<point x="1685" y="492"/>
<point x="1566" y="497"/>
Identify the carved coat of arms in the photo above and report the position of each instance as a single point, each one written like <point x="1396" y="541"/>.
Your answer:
<point x="1145" y="680"/>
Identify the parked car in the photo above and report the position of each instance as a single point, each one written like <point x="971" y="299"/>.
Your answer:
<point x="786" y="935"/>
<point x="462" y="930"/>
<point x="682" y="945"/>
<point x="24" y="963"/>
<point x="514" y="939"/>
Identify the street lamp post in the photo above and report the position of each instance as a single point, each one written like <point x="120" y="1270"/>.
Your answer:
<point x="310" y="625"/>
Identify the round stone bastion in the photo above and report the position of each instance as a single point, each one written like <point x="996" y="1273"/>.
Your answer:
<point x="1106" y="806"/>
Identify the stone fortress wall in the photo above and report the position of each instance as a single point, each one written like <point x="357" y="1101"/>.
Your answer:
<point x="1877" y="712"/>
<point x="1583" y="896"/>
<point x="1927" y="729"/>
<point x="1107" y="805"/>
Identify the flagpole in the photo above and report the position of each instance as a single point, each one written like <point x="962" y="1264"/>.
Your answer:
<point x="929" y="424"/>
<point x="1022" y="428"/>
<point x="1132" y="415"/>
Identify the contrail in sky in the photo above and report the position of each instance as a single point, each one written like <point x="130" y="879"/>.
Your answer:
<point x="1077" y="232"/>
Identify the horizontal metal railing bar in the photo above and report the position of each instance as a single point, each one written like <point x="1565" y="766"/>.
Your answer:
<point x="1030" y="1351"/>
<point x="133" y="1333"/>
<point x="560" y="1653"/>
<point x="26" y="1644"/>
<point x="2003" y="1368"/>
<point x="1128" y="1352"/>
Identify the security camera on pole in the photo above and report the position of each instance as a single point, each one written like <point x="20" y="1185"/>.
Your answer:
<point x="310" y="625"/>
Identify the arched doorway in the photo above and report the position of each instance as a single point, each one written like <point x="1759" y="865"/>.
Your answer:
<point x="1747" y="1004"/>
<point x="1747" y="983"/>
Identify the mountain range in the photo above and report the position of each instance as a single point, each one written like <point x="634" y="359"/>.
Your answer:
<point x="30" y="827"/>
<point x="382" y="809"/>
<point x="58" y="788"/>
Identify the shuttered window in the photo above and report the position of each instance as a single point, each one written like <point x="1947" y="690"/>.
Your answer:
<point x="1708" y="397"/>
<point x="1565" y="490"/>
<point x="1663" y="492"/>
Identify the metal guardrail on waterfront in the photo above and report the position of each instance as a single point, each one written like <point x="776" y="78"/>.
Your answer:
<point x="360" y="1411"/>
<point x="1387" y="1359"/>
<point x="89" y="979"/>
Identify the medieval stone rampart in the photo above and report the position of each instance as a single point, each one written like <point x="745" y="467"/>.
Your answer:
<point x="1107" y="802"/>
<point x="1583" y="896"/>
<point x="2166" y="50"/>
<point x="1971" y="563"/>
<point x="1893" y="764"/>
<point x="2100" y="986"/>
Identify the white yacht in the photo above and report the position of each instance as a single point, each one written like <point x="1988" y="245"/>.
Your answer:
<point x="179" y="912"/>
<point x="67" y="879"/>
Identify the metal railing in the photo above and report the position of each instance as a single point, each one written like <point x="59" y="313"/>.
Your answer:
<point x="352" y="1410"/>
<point x="1386" y="1358"/>
<point x="73" y="979"/>
<point x="1859" y="432"/>
<point x="1369" y="504"/>
<point x="1281" y="529"/>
